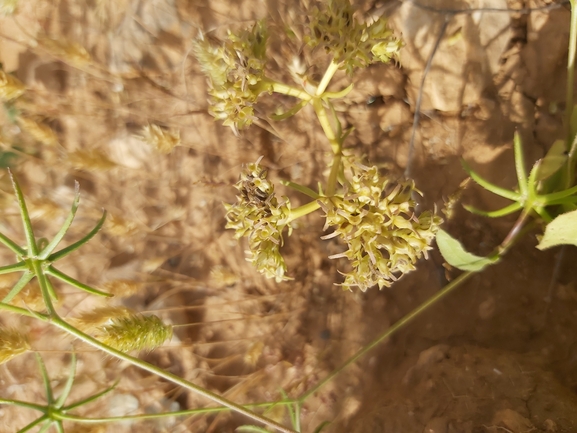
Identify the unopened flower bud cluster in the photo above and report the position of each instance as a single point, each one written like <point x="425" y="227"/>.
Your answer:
<point x="259" y="216"/>
<point x="376" y="219"/>
<point x="234" y="68"/>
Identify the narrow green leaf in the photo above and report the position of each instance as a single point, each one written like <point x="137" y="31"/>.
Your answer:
<point x="24" y="279"/>
<point x="496" y="213"/>
<point x="92" y="397"/>
<point x="51" y="270"/>
<point x="30" y="240"/>
<point x="290" y="112"/>
<point x="340" y="94"/>
<point x="251" y="429"/>
<point x="19" y="251"/>
<point x="301" y="188"/>
<point x="69" y="381"/>
<point x="50" y="247"/>
<point x="45" y="379"/>
<point x="553" y="161"/>
<point x="20" y="266"/>
<point x="43" y="418"/>
<point x="70" y="248"/>
<point x="561" y="231"/>
<point x="511" y="195"/>
<point x="520" y="164"/>
<point x="455" y="255"/>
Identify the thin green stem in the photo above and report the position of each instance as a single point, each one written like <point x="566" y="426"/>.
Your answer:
<point x="285" y="89"/>
<point x="570" y="142"/>
<point x="32" y="248"/>
<point x="303" y="210"/>
<point x="58" y="322"/>
<point x="392" y="330"/>
<point x="329" y="73"/>
<point x="334" y="174"/>
<point x="19" y="251"/>
<point x="21" y="403"/>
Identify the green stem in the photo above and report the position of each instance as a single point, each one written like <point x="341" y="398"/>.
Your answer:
<point x="285" y="89"/>
<point x="334" y="174"/>
<point x="58" y="322"/>
<point x="329" y="73"/>
<point x="570" y="143"/>
<point x="303" y="210"/>
<point x="392" y="330"/>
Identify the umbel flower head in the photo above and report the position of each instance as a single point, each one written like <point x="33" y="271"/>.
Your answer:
<point x="235" y="71"/>
<point x="377" y="221"/>
<point x="259" y="216"/>
<point x="351" y="43"/>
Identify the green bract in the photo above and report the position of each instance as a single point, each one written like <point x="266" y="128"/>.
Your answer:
<point x="377" y="221"/>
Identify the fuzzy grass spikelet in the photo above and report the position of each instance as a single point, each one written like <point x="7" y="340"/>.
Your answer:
<point x="12" y="344"/>
<point x="160" y="139"/>
<point x="352" y="44"/>
<point x="90" y="160"/>
<point x="135" y="332"/>
<point x="100" y="316"/>
<point x="377" y="221"/>
<point x="10" y="87"/>
<point x="39" y="131"/>
<point x="259" y="216"/>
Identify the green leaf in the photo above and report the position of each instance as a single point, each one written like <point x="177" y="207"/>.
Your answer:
<point x="251" y="429"/>
<point x="553" y="161"/>
<point x="561" y="231"/>
<point x="505" y="193"/>
<point x="455" y="255"/>
<point x="520" y="164"/>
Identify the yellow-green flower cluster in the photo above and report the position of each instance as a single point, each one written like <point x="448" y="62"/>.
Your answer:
<point x="259" y="216"/>
<point x="351" y="43"/>
<point x="377" y="221"/>
<point x="235" y="71"/>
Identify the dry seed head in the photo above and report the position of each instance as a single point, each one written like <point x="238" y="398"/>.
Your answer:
<point x="254" y="353"/>
<point x="160" y="139"/>
<point x="122" y="288"/>
<point x="44" y="209"/>
<point x="39" y="131"/>
<point x="8" y="7"/>
<point x="223" y="276"/>
<point x="118" y="226"/>
<point x="90" y="160"/>
<point x="135" y="332"/>
<point x="10" y="87"/>
<point x="99" y="317"/>
<point x="259" y="216"/>
<point x="12" y="344"/>
<point x="72" y="52"/>
<point x="235" y="72"/>
<point x="376" y="219"/>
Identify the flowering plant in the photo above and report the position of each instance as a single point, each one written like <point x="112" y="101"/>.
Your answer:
<point x="372" y="214"/>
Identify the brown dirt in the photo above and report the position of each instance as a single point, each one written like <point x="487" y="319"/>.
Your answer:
<point x="497" y="355"/>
